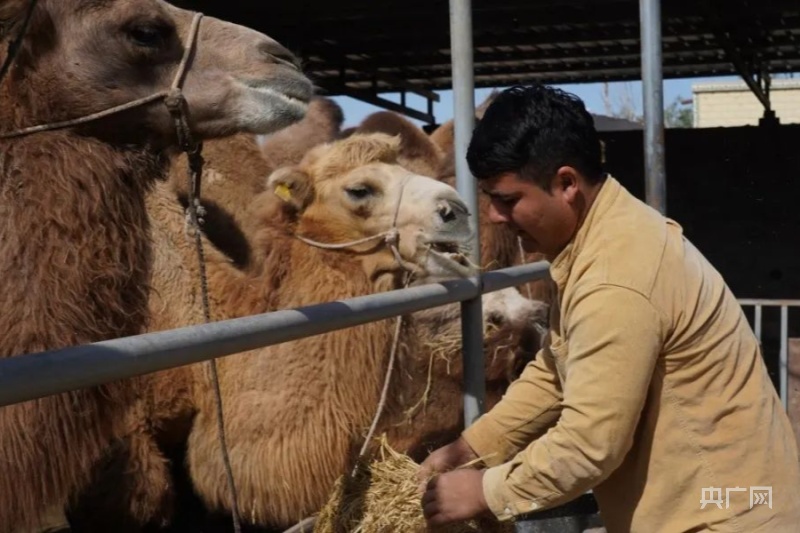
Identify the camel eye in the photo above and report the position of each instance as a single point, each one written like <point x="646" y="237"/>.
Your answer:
<point x="359" y="192"/>
<point x="148" y="35"/>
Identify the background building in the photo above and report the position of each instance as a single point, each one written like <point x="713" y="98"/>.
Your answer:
<point x="734" y="104"/>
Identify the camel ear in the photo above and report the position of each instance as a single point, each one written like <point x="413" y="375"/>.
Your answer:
<point x="481" y="109"/>
<point x="292" y="186"/>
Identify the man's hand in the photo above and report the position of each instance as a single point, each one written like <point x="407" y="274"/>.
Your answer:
<point x="453" y="497"/>
<point x="444" y="459"/>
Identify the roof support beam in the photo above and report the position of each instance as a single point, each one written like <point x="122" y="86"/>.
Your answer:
<point x="370" y="95"/>
<point x="372" y="98"/>
<point x="754" y="70"/>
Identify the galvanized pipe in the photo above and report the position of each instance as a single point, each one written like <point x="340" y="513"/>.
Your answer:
<point x="27" y="377"/>
<point x="464" y="121"/>
<point x="653" y="101"/>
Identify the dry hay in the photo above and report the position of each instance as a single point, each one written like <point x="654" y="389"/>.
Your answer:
<point x="383" y="497"/>
<point x="445" y="347"/>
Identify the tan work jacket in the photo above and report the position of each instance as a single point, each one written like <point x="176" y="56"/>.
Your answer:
<point x="651" y="391"/>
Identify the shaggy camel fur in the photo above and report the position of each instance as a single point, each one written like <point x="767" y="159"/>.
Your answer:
<point x="74" y="246"/>
<point x="234" y="174"/>
<point x="296" y="412"/>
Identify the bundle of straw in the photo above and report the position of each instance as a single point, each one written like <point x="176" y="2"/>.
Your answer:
<point x="383" y="497"/>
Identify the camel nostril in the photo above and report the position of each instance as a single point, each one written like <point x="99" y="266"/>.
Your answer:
<point x="278" y="54"/>
<point x="446" y="213"/>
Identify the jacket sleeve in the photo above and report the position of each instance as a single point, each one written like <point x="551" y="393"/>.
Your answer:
<point x="529" y="407"/>
<point x="614" y="337"/>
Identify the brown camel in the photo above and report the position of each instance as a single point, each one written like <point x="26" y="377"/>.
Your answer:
<point x="74" y="247"/>
<point x="296" y="412"/>
<point x="235" y="172"/>
<point x="321" y="124"/>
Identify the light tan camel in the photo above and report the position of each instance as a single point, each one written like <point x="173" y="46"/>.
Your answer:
<point x="433" y="155"/>
<point x="240" y="291"/>
<point x="508" y="347"/>
<point x="297" y="412"/>
<point x="74" y="246"/>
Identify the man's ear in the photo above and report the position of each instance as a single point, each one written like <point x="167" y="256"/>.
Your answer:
<point x="292" y="186"/>
<point x="566" y="182"/>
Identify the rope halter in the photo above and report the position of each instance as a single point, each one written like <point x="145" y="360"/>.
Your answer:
<point x="391" y="238"/>
<point x="173" y="97"/>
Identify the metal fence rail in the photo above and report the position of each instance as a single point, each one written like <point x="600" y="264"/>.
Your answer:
<point x="27" y="377"/>
<point x="783" y="355"/>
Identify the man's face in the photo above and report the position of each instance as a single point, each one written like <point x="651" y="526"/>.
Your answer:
<point x="545" y="220"/>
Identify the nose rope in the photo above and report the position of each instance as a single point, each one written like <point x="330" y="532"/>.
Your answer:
<point x="172" y="94"/>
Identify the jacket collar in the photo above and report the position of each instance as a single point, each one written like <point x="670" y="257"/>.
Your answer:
<point x="562" y="264"/>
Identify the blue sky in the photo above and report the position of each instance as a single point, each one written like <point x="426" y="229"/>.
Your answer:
<point x="591" y="93"/>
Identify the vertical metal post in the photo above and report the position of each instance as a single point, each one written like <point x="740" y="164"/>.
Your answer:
<point x="784" y="357"/>
<point x="653" y="100"/>
<point x="464" y="120"/>
<point x="757" y="321"/>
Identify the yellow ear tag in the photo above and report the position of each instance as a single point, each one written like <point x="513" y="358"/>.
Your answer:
<point x="282" y="191"/>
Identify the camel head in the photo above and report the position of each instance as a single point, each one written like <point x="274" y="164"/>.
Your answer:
<point x="354" y="189"/>
<point x="81" y="57"/>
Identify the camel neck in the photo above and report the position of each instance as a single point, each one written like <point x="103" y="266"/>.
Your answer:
<point x="334" y="275"/>
<point x="74" y="250"/>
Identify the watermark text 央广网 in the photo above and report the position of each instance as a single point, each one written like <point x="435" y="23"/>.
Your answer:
<point x="759" y="495"/>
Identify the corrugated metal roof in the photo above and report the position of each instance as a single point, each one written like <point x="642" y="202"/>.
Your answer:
<point x="365" y="47"/>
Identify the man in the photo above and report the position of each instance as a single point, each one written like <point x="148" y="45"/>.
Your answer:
<point x="650" y="390"/>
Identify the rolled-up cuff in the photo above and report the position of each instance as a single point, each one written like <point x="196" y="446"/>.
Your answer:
<point x="502" y="500"/>
<point x="493" y="479"/>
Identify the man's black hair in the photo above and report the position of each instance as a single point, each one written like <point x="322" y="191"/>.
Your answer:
<point x="534" y="131"/>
